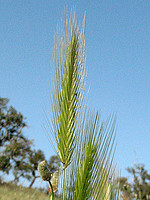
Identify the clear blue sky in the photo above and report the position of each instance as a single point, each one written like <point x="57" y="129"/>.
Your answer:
<point x="118" y="62"/>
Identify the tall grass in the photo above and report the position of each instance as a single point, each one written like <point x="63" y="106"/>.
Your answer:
<point x="85" y="145"/>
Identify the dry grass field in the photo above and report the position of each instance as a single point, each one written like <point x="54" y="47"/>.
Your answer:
<point x="13" y="192"/>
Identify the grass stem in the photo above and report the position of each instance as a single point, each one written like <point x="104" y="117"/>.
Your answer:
<point x="52" y="192"/>
<point x="63" y="183"/>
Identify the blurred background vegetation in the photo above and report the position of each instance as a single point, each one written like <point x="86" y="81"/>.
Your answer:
<point x="18" y="159"/>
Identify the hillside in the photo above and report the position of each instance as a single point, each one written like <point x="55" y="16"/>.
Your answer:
<point x="13" y="192"/>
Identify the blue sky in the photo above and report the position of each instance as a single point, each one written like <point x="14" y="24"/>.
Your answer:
<point x="118" y="66"/>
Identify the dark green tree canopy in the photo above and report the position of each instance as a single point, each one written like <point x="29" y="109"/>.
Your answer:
<point x="14" y="145"/>
<point x="11" y="122"/>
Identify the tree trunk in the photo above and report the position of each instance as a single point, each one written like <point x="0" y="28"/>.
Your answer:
<point x="32" y="182"/>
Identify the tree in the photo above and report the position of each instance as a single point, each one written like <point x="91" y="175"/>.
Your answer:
<point x="27" y="168"/>
<point x="140" y="187"/>
<point x="5" y="164"/>
<point x="17" y="150"/>
<point x="53" y="164"/>
<point x="11" y="122"/>
<point x="16" y="153"/>
<point x="34" y="158"/>
<point x="84" y="143"/>
<point x="14" y="145"/>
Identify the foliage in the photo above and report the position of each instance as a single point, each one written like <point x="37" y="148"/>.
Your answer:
<point x="11" y="123"/>
<point x="14" y="145"/>
<point x="5" y="164"/>
<point x="16" y="154"/>
<point x="27" y="167"/>
<point x="34" y="158"/>
<point x="53" y="164"/>
<point x="140" y="187"/>
<point x="85" y="145"/>
<point x="17" y="150"/>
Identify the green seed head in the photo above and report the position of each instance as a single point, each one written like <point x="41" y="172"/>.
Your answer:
<point x="44" y="171"/>
<point x="55" y="178"/>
